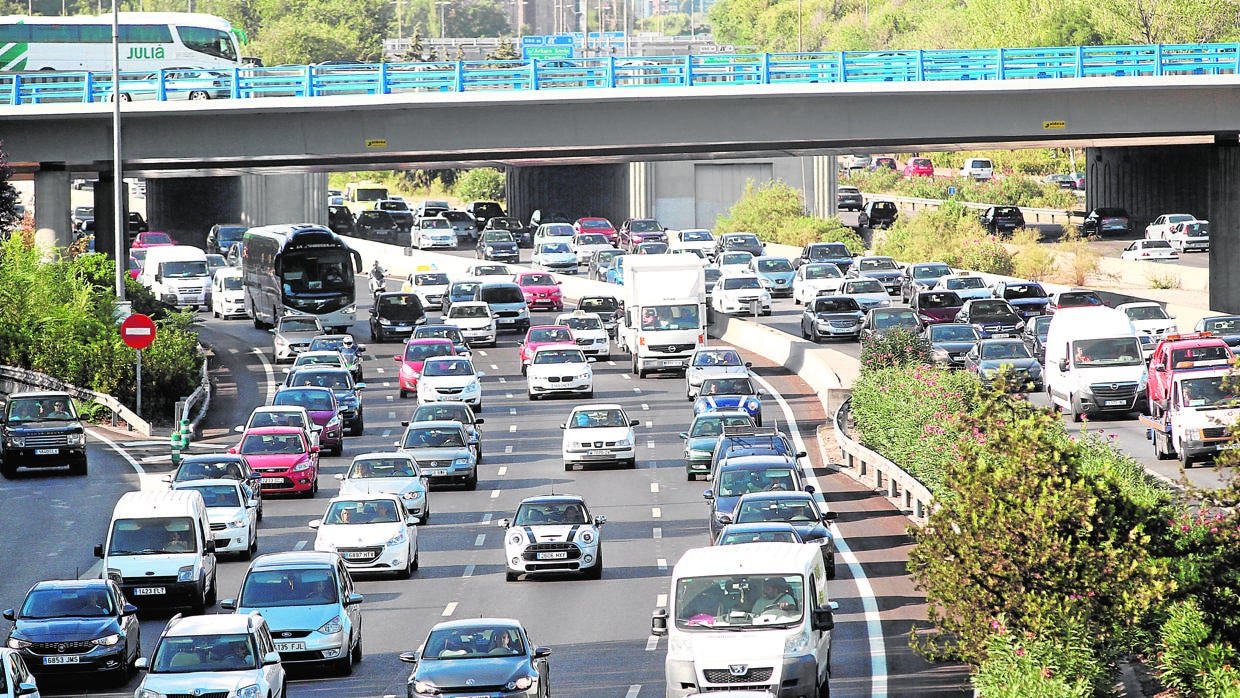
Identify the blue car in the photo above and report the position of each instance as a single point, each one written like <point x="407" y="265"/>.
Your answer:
<point x="730" y="393"/>
<point x="1028" y="298"/>
<point x="775" y="273"/>
<point x="615" y="273"/>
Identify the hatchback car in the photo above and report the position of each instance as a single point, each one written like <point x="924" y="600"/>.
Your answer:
<point x="76" y="628"/>
<point x="589" y="332"/>
<point x="324" y="411"/>
<point x="444" y="449"/>
<point x="739" y="242"/>
<point x="879" y="321"/>
<point x="283" y="457"/>
<point x="348" y="348"/>
<point x="599" y="226"/>
<point x="348" y="393"/>
<point x="727" y="393"/>
<point x="936" y="306"/>
<point x="292" y="335"/>
<point x="919" y="167"/>
<point x="1107" y="221"/>
<point x="734" y="261"/>
<point x="460" y="291"/>
<point x="453" y="412"/>
<point x="459" y="657"/>
<point x="775" y="273"/>
<point x="430" y="287"/>
<point x="450" y="378"/>
<point x="214" y="655"/>
<point x="497" y="245"/>
<point x="598" y="433"/>
<point x="1002" y="219"/>
<point x="921" y="277"/>
<point x="414" y="356"/>
<point x="233" y="513"/>
<point x="764" y="532"/>
<point x="372" y="532"/>
<point x="869" y="293"/>
<point x="831" y="316"/>
<point x="395" y="315"/>
<point x="541" y="291"/>
<point x="702" y="437"/>
<point x="712" y="362"/>
<point x="827" y="252"/>
<point x="879" y="214"/>
<point x="553" y="534"/>
<point x="152" y="239"/>
<point x="554" y="256"/>
<point x="389" y="473"/>
<point x="433" y="233"/>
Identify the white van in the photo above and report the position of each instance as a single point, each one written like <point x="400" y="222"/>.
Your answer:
<point x="160" y="549"/>
<point x="177" y="275"/>
<point x="1094" y="362"/>
<point x="227" y="293"/>
<point x="980" y="169"/>
<point x="753" y="617"/>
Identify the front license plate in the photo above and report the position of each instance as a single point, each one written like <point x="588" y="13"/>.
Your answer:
<point x="553" y="556"/>
<point x="670" y="364"/>
<point x="62" y="660"/>
<point x="1114" y="403"/>
<point x="1229" y="446"/>
<point x="598" y="453"/>
<point x="273" y="481"/>
<point x="149" y="591"/>
<point x="46" y="451"/>
<point x="357" y="556"/>
<point x="506" y="321"/>
<point x="290" y="646"/>
<point x="439" y="472"/>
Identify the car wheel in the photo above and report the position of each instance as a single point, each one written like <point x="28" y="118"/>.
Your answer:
<point x="590" y="395"/>
<point x="1186" y="461"/>
<point x="804" y="334"/>
<point x="212" y="593"/>
<point x="339" y="449"/>
<point x="471" y="483"/>
<point x="199" y="95"/>
<point x="631" y="463"/>
<point x="1076" y="415"/>
<point x="357" y="651"/>
<point x="530" y="395"/>
<point x="407" y="571"/>
<point x="344" y="665"/>
<point x="568" y="467"/>
<point x="510" y="576"/>
<point x="404" y="393"/>
<point x="596" y="572"/>
<point x="78" y="469"/>
<point x="1161" y="452"/>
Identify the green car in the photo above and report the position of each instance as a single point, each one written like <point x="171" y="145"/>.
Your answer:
<point x="702" y="437"/>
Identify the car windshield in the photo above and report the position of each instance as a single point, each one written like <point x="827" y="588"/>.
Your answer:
<point x="717" y="357"/>
<point x="332" y="359"/>
<point x="502" y="294"/>
<point x="1042" y="324"/>
<point x="774" y="265"/>
<point x="534" y="513"/>
<point x="1153" y="245"/>
<point x="786" y="535"/>
<point x="1112" y="213"/>
<point x="276" y="418"/>
<point x="464" y="289"/>
<point x="713" y="274"/>
<point x="554" y="248"/>
<point x="30" y="409"/>
<point x="735" y="258"/>
<point x="595" y="418"/>
<point x="995" y="308"/>
<point x="596" y="223"/>
<point x="1114" y="351"/>
<point x="822" y="271"/>
<point x="232" y="283"/>
<point x="360" y="513"/>
<point x="183" y="270"/>
<point x="1146" y="312"/>
<point x="206" y="468"/>
<point x="536" y="280"/>
<point x="864" y="286"/>
<point x="740" y="283"/>
<point x="738" y="601"/>
<point x="1209" y="391"/>
<point x="932" y="271"/>
<point x="382" y="467"/>
<point x="550" y="334"/>
<point x="447" y="332"/>
<point x="895" y="318"/>
<point x="156" y="535"/>
<point x="727" y="386"/>
<point x="290" y="587"/>
<point x="877" y="264"/>
<point x="1018" y="291"/>
<point x="272" y="444"/>
<point x="390" y="205"/>
<point x="828" y="251"/>
<point x="559" y="356"/>
<point x="203" y="653"/>
<point x="577" y="324"/>
<point x="497" y="236"/>
<point x="953" y="333"/>
<point x="472" y="642"/>
<point x="436" y="411"/>
<point x="422" y="351"/>
<point x="592" y="239"/>
<point x="336" y="380"/>
<point x="81" y="602"/>
<point x="1003" y="350"/>
<point x="1078" y="298"/>
<point x="652" y="248"/>
<point x="671" y="317"/>
<point x="835" y="305"/>
<point x="433" y="437"/>
<point x="713" y="424"/>
<point x="298" y="324"/>
<point x="221" y="496"/>
<point x="645" y="226"/>
<point x="435" y="224"/>
<point x="557" y="230"/>
<point x="156" y="239"/>
<point x="457" y="216"/>
<point x="936" y="299"/>
<point x="697" y="236"/>
<point x="785" y="509"/>
<point x="1222" y="325"/>
<point x="469" y="311"/>
<point x="965" y="282"/>
<point x="400" y="306"/>
<point x="447" y="367"/>
<point x="741" y="241"/>
<point x="430" y="280"/>
<point x="736" y="482"/>
<point x="598" y="305"/>
<point x="314" y="400"/>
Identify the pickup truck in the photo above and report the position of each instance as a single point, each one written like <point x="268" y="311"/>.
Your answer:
<point x="1197" y="422"/>
<point x="1177" y="354"/>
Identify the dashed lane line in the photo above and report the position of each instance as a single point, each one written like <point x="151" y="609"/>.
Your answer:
<point x="512" y="428"/>
<point x="503" y="470"/>
<point x="656" y="513"/>
<point x="658" y="533"/>
<point x="469" y="572"/>
<point x="662" y="563"/>
<point x="301" y="545"/>
<point x="494" y="494"/>
<point x="633" y="691"/>
<point x="652" y="643"/>
<point x="645" y="407"/>
<point x="654" y="487"/>
<point x="482" y="538"/>
<point x="449" y="609"/>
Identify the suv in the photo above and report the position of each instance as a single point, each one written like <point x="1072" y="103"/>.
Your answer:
<point x="739" y="242"/>
<point x="879" y="214"/>
<point x="395" y="315"/>
<point x="834" y="252"/>
<point x="1002" y="219"/>
<point x="41" y="430"/>
<point x="483" y="211"/>
<point x="215" y="655"/>
<point x="635" y="231"/>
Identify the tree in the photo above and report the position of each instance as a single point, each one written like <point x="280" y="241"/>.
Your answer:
<point x="505" y="51"/>
<point x="482" y="18"/>
<point x="481" y="184"/>
<point x="8" y="197"/>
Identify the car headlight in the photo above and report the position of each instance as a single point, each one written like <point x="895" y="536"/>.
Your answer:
<point x="752" y="403"/>
<point x="17" y="644"/>
<point x="1141" y="383"/>
<point x="489" y="249"/>
<point x="515" y="538"/>
<point x="425" y="687"/>
<point x="940" y="355"/>
<point x="106" y="640"/>
<point x="301" y="465"/>
<point x="77" y="440"/>
<point x="796" y="644"/>
<point x="1020" y="326"/>
<point x="460" y="462"/>
<point x="187" y="574"/>
<point x="472" y="387"/>
<point x="384" y="321"/>
<point x="625" y="442"/>
<point x="351" y="309"/>
<point x="239" y="522"/>
<point x="17" y="441"/>
<point x="147" y="693"/>
<point x="396" y="540"/>
<point x="587" y="537"/>
<point x="1035" y="369"/>
<point x="412" y="496"/>
<point x="250" y="691"/>
<point x="695" y="453"/>
<point x="331" y="627"/>
<point x="884" y="304"/>
<point x="521" y="684"/>
<point x="988" y="372"/>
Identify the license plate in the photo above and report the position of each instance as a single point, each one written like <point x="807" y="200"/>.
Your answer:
<point x="667" y="364"/>
<point x="1229" y="446"/>
<point x="62" y="660"/>
<point x="1114" y="403"/>
<point x="507" y="321"/>
<point x="598" y="453"/>
<point x="150" y="591"/>
<point x="358" y="556"/>
<point x="273" y="481"/>
<point x="553" y="556"/>
<point x="290" y="646"/>
<point x="439" y="472"/>
<point x="46" y="451"/>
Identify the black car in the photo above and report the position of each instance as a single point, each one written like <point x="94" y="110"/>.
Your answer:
<point x="739" y="242"/>
<point x="1002" y="219"/>
<point x="992" y="317"/>
<point x="394" y="316"/>
<point x="340" y="220"/>
<point x="377" y="225"/>
<point x="831" y="316"/>
<point x="1225" y="327"/>
<point x="1107" y="221"/>
<point x="77" y="628"/>
<point x="880" y="320"/>
<point x="920" y="277"/>
<point x="41" y="430"/>
<point x="223" y="236"/>
<point x="137" y="224"/>
<point x="399" y="211"/>
<point x="523" y="236"/>
<point x="1028" y="298"/>
<point x="1034" y="336"/>
<point x="459" y="291"/>
<point x="497" y="246"/>
<point x="479" y="656"/>
<point x="950" y="341"/>
<point x="834" y="252"/>
<point x="991" y="358"/>
<point x="220" y="466"/>
<point x="880" y="214"/>
<point x="883" y="269"/>
<point x="483" y="211"/>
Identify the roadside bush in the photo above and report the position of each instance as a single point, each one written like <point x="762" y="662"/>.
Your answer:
<point x="895" y="349"/>
<point x="1028" y="666"/>
<point x="1015" y="190"/>
<point x="776" y="213"/>
<point x="1190" y="661"/>
<point x="950" y="234"/>
<point x="1031" y="259"/>
<point x="481" y="184"/>
<point x="1081" y="261"/>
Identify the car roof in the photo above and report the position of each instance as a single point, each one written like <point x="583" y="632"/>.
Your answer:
<point x="213" y="624"/>
<point x="598" y="406"/>
<point x="756" y="526"/>
<point x="769" y="460"/>
<point x="381" y="454"/>
<point x="294" y="558"/>
<point x="778" y="494"/>
<point x="71" y="583"/>
<point x="362" y="497"/>
<point x="547" y="498"/>
<point x="474" y="622"/>
<point x="216" y="457"/>
<point x="435" y="423"/>
<point x="275" y="430"/>
<point x="431" y="340"/>
<point x="40" y="394"/>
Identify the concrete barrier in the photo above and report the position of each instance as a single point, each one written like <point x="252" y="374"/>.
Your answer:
<point x="870" y="468"/>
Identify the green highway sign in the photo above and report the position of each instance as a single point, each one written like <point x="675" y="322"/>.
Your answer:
<point x="543" y="53"/>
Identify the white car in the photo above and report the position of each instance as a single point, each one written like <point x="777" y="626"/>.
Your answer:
<point x="429" y="286"/>
<point x="598" y="433"/>
<point x="553" y="232"/>
<point x="1150" y="251"/>
<point x="227" y="293"/>
<point x="449" y="379"/>
<point x="553" y="534"/>
<point x="434" y="233"/>
<point x="291" y="415"/>
<point x="813" y="280"/>
<point x="489" y="269"/>
<point x="869" y="293"/>
<point x="1151" y="320"/>
<point x="966" y="286"/>
<point x="389" y="473"/>
<point x="16" y="680"/>
<point x="692" y="239"/>
<point x="588" y="332"/>
<point x="734" y="262"/>
<point x="554" y="255"/>
<point x="734" y="293"/>
<point x="474" y="320"/>
<point x="370" y="532"/>
<point x="559" y="370"/>
<point x="1190" y="236"/>
<point x="233" y="514"/>
<point x="586" y="244"/>
<point x="293" y="333"/>
<point x="1160" y="229"/>
<point x="712" y="362"/>
<point x="228" y="654"/>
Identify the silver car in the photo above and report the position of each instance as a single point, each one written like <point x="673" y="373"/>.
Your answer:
<point x="389" y="473"/>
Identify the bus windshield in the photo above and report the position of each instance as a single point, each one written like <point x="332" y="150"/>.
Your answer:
<point x="317" y="271"/>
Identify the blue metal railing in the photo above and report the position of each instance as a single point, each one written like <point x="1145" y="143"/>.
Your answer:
<point x="611" y="72"/>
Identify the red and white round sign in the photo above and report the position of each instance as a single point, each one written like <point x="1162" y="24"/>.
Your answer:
<point x="138" y="331"/>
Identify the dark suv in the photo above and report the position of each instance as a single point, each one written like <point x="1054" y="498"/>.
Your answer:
<point x="1002" y="219"/>
<point x="739" y="242"/>
<point x="395" y="315"/>
<point x="834" y="252"/>
<point x="635" y="231"/>
<point x="377" y="225"/>
<point x="41" y="430"/>
<point x="879" y="214"/>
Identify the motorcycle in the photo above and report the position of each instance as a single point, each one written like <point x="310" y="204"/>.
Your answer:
<point x="378" y="284"/>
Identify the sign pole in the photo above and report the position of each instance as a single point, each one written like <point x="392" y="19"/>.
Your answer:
<point x="138" y="365"/>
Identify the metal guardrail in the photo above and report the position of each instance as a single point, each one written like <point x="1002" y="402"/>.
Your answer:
<point x="14" y="379"/>
<point x="1032" y="215"/>
<point x="612" y="72"/>
<point x="887" y="477"/>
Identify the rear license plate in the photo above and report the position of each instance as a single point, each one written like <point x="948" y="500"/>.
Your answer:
<point x="273" y="481"/>
<point x="62" y="660"/>
<point x="46" y="451"/>
<point x="290" y="646"/>
<point x="439" y="472"/>
<point x="598" y="453"/>
<point x="150" y="591"/>
<point x="1114" y="403"/>
<point x="553" y="556"/>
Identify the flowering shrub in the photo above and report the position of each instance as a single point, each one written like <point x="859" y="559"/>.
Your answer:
<point x="775" y="212"/>
<point x="1024" y="665"/>
<point x="895" y="348"/>
<point x="1190" y="662"/>
<point x="950" y="234"/>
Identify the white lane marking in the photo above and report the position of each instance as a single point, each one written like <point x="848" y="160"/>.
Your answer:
<point x="481" y="353"/>
<point x="513" y="428"/>
<point x="123" y="454"/>
<point x="645" y="406"/>
<point x="503" y="470"/>
<point x="387" y="433"/>
<point x="627" y="377"/>
<point x="233" y="350"/>
<point x="658" y="532"/>
<point x="391" y="414"/>
<point x="469" y="572"/>
<point x="157" y="459"/>
<point x="660" y="601"/>
<point x="654" y="487"/>
<point x="652" y="643"/>
<point x="611" y="363"/>
<point x="390" y="398"/>
<point x="649" y="444"/>
<point x="301" y="545"/>
<point x="512" y="410"/>
<point x="378" y="370"/>
<point x="482" y="538"/>
<point x="636" y="389"/>
<point x="494" y="367"/>
<point x="508" y="395"/>
<point x="662" y="563"/>
<point x="270" y="386"/>
<point x="503" y="379"/>
<point x="486" y="518"/>
<point x="656" y="513"/>
<point x="449" y="609"/>
<point x="649" y="423"/>
<point x="508" y="449"/>
<point x="387" y="384"/>
<point x="873" y="620"/>
<point x="494" y="494"/>
<point x="633" y="691"/>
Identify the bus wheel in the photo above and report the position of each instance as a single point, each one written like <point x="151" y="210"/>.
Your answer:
<point x="199" y="94"/>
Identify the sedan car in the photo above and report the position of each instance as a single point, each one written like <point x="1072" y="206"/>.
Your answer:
<point x="450" y="378"/>
<point x="324" y="411"/>
<point x="1150" y="251"/>
<point x="233" y="512"/>
<point x="739" y="242"/>
<point x="589" y="332"/>
<point x="597" y="226"/>
<point x="693" y="239"/>
<point x="869" y="293"/>
<point x="371" y="532"/>
<point x="991" y="357"/>
<point x="1226" y="327"/>
<point x="703" y="436"/>
<point x="1002" y="219"/>
<point x="743" y="475"/>
<point x="734" y="261"/>
<point x="498" y="246"/>
<point x="460" y="656"/>
<point x="730" y="393"/>
<point x="292" y="334"/>
<point x="523" y="236"/>
<point x="1074" y="298"/>
<point x="815" y="279"/>
<point x="712" y="362"/>
<point x="966" y="286"/>
<point x="832" y="316"/>
<point x="462" y="223"/>
<point x="541" y="291"/>
<point x="950" y="341"/>
<point x="882" y="269"/>
<point x="444" y="449"/>
<point x="554" y="256"/>
<point x="474" y="320"/>
<point x="452" y="412"/>
<point x="151" y="239"/>
<point x="1160" y="228"/>
<point x="429" y="285"/>
<point x="75" y="628"/>
<point x="543" y="336"/>
<point x="348" y="393"/>
<point x="992" y="317"/>
<point x="398" y="210"/>
<point x="558" y="370"/>
<point x="1107" y="221"/>
<point x="394" y="315"/>
<point x="381" y="226"/>
<point x="635" y="231"/>
<point x="775" y="273"/>
<point x="553" y="534"/>
<point x="848" y="199"/>
<point x="1028" y="298"/>
<point x="921" y="277"/>
<point x="396" y="474"/>
<point x="283" y="457"/>
<point x="936" y="306"/>
<point x="882" y="320"/>
<point x="740" y="293"/>
<point x="801" y="510"/>
<point x="586" y="245"/>
<point x="827" y="252"/>
<point x="598" y="433"/>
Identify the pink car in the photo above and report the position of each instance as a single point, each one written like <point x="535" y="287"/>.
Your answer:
<point x="283" y="457"/>
<point x="152" y="239"/>
<point x="542" y="336"/>
<point x="919" y="167"/>
<point x="324" y="411"/>
<point x="602" y="226"/>
<point x="417" y="351"/>
<point x="540" y="290"/>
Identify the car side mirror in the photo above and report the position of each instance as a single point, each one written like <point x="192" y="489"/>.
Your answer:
<point x="480" y="420"/>
<point x="396" y="358"/>
<point x="828" y="516"/>
<point x="99" y="550"/>
<point x="129" y="609"/>
<point x="209" y="546"/>
<point x="9" y="614"/>
<point x="166" y="478"/>
<point x="504" y="523"/>
<point x="1063" y="364"/>
<point x="635" y="423"/>
<point x="684" y="435"/>
<point x="600" y="519"/>
<point x="315" y="523"/>
<point x="314" y="449"/>
<point x="1160" y="368"/>
<point x="229" y="604"/>
<point x="823" y="619"/>
<point x="658" y="622"/>
<point x="801" y="454"/>
<point x="360" y="386"/>
<point x="271" y="658"/>
<point x="725" y="518"/>
<point x="542" y="652"/>
<point x="708" y="495"/>
<point x="339" y="476"/>
<point x="563" y="426"/>
<point x="232" y="450"/>
<point x="142" y="664"/>
<point x="353" y="599"/>
<point x="240" y="428"/>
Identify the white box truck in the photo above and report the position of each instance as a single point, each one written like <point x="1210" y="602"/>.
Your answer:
<point x="751" y="617"/>
<point x="1094" y="362"/>
<point x="177" y="276"/>
<point x="664" y="311"/>
<point x="1197" y="422"/>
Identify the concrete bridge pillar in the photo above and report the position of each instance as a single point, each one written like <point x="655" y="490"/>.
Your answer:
<point x="574" y="190"/>
<point x="1224" y="215"/>
<point x="53" y="227"/>
<point x="104" y="237"/>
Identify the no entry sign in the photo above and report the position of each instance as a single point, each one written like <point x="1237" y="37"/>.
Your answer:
<point x="138" y="331"/>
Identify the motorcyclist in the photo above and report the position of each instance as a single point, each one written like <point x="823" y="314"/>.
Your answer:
<point x="377" y="276"/>
<point x="377" y="272"/>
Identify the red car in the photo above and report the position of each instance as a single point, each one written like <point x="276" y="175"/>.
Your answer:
<point x="283" y="457"/>
<point x="919" y="167"/>
<point x="602" y="226"/>
<point x="151" y="239"/>
<point x="540" y="290"/>
<point x="541" y="336"/>
<point x="417" y="351"/>
<point x="1182" y="352"/>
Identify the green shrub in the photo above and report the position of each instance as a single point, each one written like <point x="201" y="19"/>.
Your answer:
<point x="775" y="212"/>
<point x="950" y="234"/>
<point x="897" y="348"/>
<point x="1061" y="666"/>
<point x="1016" y="190"/>
<point x="480" y="184"/>
<point x="1190" y="661"/>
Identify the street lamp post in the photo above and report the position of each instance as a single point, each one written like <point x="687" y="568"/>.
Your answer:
<point x="119" y="222"/>
<point x="443" y="16"/>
